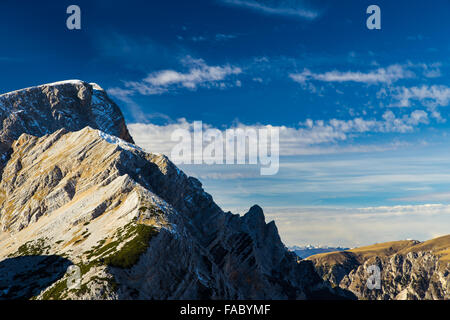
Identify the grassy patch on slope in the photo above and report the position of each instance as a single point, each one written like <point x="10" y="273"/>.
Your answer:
<point x="130" y="253"/>
<point x="129" y="243"/>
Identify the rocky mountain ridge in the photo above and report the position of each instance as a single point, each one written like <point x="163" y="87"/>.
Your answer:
<point x="76" y="191"/>
<point x="409" y="270"/>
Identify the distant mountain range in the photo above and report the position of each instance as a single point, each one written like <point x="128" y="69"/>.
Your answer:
<point x="306" y="251"/>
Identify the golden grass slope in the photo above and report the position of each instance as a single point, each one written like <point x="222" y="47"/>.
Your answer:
<point x="439" y="247"/>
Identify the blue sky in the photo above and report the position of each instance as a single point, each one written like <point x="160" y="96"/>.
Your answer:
<point x="363" y="113"/>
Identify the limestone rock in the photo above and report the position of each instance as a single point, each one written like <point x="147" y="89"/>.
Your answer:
<point x="44" y="109"/>
<point x="76" y="191"/>
<point x="409" y="270"/>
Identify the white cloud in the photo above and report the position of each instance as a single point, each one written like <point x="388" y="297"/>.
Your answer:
<point x="430" y="96"/>
<point x="390" y="74"/>
<point x="305" y="139"/>
<point x="120" y="93"/>
<point x="382" y="75"/>
<point x="294" y="8"/>
<point x="157" y="138"/>
<point x="199" y="74"/>
<point x="432" y="70"/>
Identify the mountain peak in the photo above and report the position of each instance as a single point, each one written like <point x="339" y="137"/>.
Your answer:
<point x="255" y="214"/>
<point x="51" y="84"/>
<point x="70" y="104"/>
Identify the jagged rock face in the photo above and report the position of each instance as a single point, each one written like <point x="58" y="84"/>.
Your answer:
<point x="241" y="263"/>
<point x="413" y="276"/>
<point x="72" y="191"/>
<point x="409" y="270"/>
<point x="70" y="104"/>
<point x="45" y="174"/>
<point x="135" y="224"/>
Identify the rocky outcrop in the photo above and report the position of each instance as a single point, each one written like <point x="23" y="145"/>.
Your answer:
<point x="134" y="224"/>
<point x="411" y="276"/>
<point x="44" y="109"/>
<point x="409" y="270"/>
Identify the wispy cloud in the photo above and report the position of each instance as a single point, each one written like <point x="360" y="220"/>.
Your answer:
<point x="390" y="74"/>
<point x="136" y="111"/>
<point x="224" y="37"/>
<point x="219" y="37"/>
<point x="382" y="75"/>
<point x="195" y="74"/>
<point x="198" y="75"/>
<point x="295" y="8"/>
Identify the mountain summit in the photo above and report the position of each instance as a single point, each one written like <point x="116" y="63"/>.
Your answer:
<point x="76" y="191"/>
<point x="72" y="105"/>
